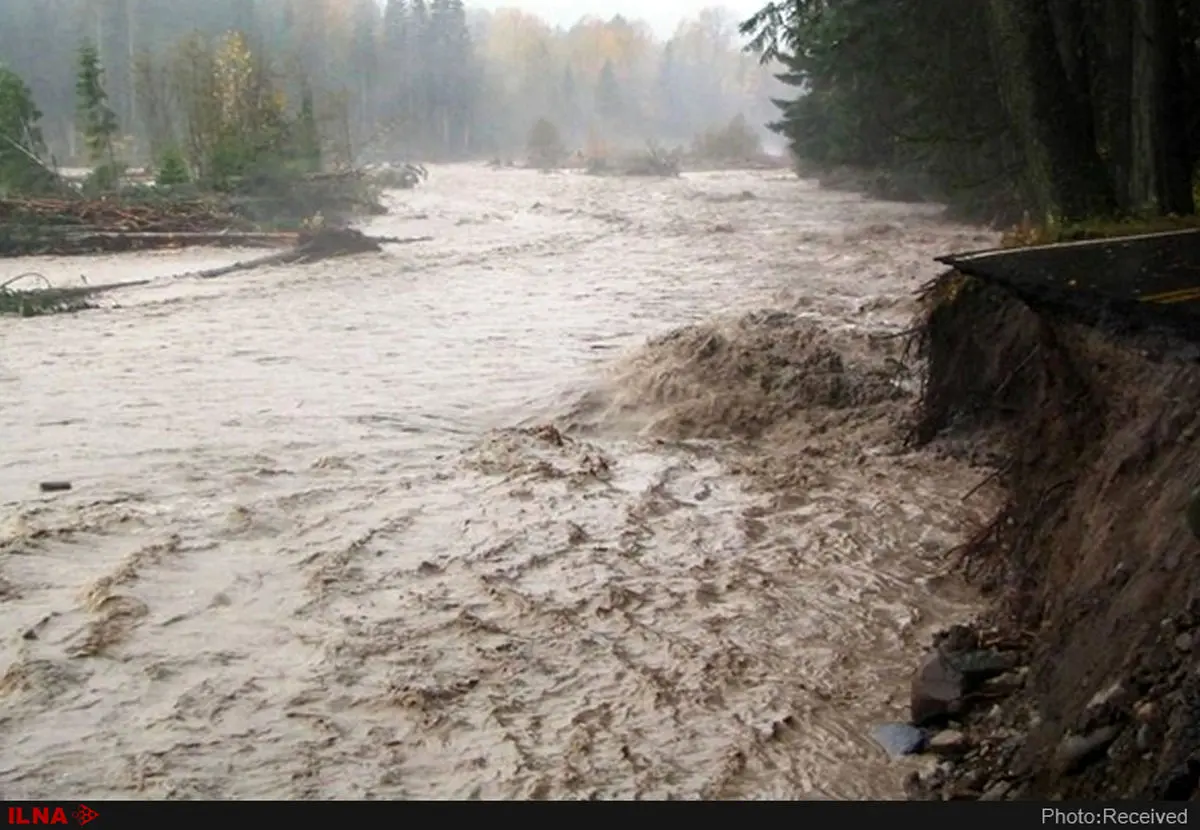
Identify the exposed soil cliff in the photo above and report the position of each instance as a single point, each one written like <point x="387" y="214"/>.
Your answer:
<point x="1093" y="569"/>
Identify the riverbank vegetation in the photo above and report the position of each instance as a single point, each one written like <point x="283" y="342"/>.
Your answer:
<point x="1051" y="108"/>
<point x="401" y="80"/>
<point x="241" y="158"/>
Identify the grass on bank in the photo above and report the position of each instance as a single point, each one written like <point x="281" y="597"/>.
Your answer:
<point x="1027" y="233"/>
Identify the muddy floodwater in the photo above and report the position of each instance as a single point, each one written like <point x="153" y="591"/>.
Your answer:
<point x="474" y="518"/>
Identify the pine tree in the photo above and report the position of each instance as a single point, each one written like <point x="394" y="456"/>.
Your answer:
<point x="454" y="82"/>
<point x="95" y="117"/>
<point x="608" y="94"/>
<point x="172" y="169"/>
<point x="397" y="80"/>
<point x="21" y="144"/>
<point x="545" y="145"/>
<point x="307" y="141"/>
<point x="364" y="59"/>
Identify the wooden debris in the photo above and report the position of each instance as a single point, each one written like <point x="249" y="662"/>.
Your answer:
<point x="310" y="246"/>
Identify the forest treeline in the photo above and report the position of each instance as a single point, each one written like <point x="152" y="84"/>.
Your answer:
<point x="419" y="80"/>
<point x="1064" y="108"/>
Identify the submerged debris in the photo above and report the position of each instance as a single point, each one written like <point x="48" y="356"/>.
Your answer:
<point x="310" y="246"/>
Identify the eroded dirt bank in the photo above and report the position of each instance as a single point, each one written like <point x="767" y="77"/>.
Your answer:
<point x="544" y="507"/>
<point x="1092" y="566"/>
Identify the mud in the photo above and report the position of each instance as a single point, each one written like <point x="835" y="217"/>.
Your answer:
<point x="548" y="507"/>
<point x="1091" y="563"/>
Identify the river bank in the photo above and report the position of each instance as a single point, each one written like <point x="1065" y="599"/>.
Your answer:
<point x="1091" y="567"/>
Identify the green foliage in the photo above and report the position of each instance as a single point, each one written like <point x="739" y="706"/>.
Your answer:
<point x="21" y="145"/>
<point x="1000" y="105"/>
<point x="735" y="141"/>
<point x="96" y="120"/>
<point x="904" y="85"/>
<point x="172" y="168"/>
<point x="305" y="141"/>
<point x="545" y="145"/>
<point x="1027" y="233"/>
<point x="239" y="134"/>
<point x="104" y="178"/>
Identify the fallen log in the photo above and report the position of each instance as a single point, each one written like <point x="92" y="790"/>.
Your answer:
<point x="311" y="246"/>
<point x="115" y="215"/>
<point x="56" y="300"/>
<point x="225" y="237"/>
<point x="118" y="241"/>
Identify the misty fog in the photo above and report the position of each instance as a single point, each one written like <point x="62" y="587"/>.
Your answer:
<point x="395" y="80"/>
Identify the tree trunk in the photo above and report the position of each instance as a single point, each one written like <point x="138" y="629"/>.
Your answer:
<point x="133" y="122"/>
<point x="1189" y="62"/>
<point x="1068" y="18"/>
<point x="1064" y="176"/>
<point x="1160" y="176"/>
<point x="1110" y="56"/>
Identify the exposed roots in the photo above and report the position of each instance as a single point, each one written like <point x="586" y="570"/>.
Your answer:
<point x="1097" y="433"/>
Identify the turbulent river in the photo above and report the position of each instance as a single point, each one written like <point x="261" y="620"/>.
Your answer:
<point x="547" y="507"/>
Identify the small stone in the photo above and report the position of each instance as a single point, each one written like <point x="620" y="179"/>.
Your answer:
<point x="914" y="787"/>
<point x="937" y="690"/>
<point x="898" y="739"/>
<point x="1184" y="642"/>
<point x="1193" y="512"/>
<point x="1145" y="711"/>
<point x="974" y="781"/>
<point x="981" y="665"/>
<point x="948" y="742"/>
<point x="996" y="792"/>
<point x="1145" y="737"/>
<point x="1076" y="751"/>
<point x="1111" y="694"/>
<point x="958" y="638"/>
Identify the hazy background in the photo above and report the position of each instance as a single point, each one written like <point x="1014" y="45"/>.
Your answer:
<point x="663" y="16"/>
<point x="424" y="80"/>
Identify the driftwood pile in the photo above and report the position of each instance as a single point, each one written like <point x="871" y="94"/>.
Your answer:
<point x="85" y="226"/>
<point x="160" y="216"/>
<point x="244" y="216"/>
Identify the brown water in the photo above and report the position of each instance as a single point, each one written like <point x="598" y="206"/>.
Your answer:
<point x="320" y="544"/>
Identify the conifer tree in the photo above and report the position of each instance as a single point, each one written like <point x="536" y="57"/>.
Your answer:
<point x="95" y="118"/>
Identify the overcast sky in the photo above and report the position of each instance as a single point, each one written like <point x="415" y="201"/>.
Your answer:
<point x="663" y="15"/>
